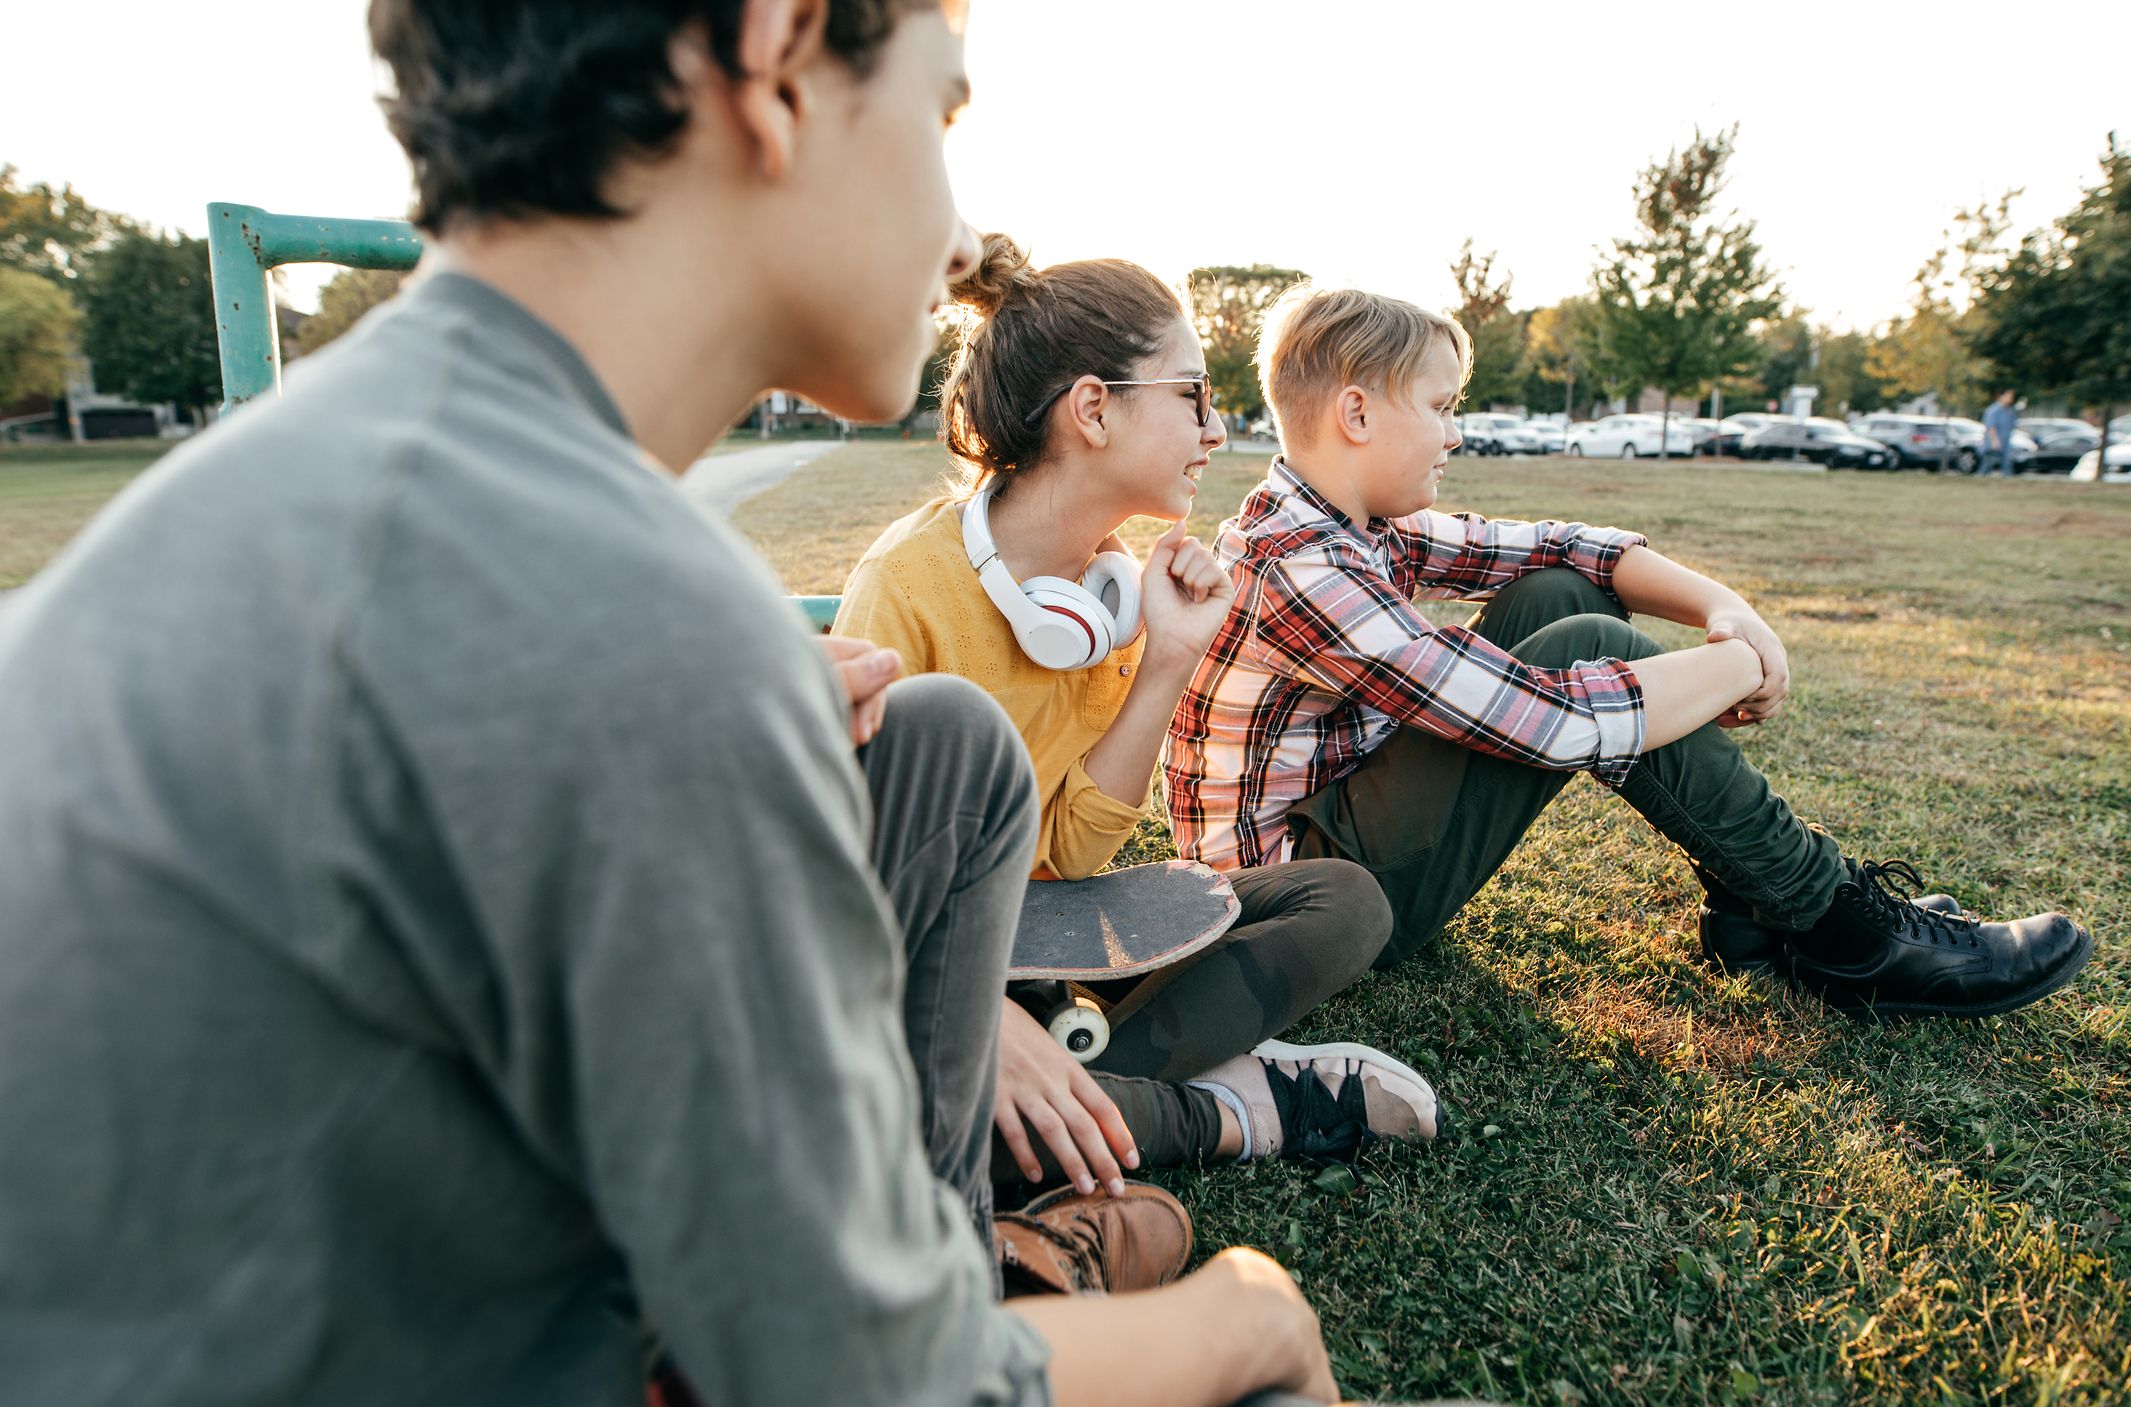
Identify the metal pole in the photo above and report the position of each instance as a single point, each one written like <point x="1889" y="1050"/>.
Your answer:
<point x="244" y="242"/>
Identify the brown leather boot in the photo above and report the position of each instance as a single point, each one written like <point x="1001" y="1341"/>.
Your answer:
<point x="1066" y="1244"/>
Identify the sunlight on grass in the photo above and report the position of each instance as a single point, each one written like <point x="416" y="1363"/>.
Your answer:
<point x="1658" y="1183"/>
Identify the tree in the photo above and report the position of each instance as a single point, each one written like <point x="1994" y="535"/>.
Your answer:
<point x="1926" y="351"/>
<point x="1480" y="299"/>
<point x="2053" y="314"/>
<point x="1558" y="344"/>
<point x="1678" y="300"/>
<point x="343" y="301"/>
<point x="1845" y="384"/>
<point x="149" y="320"/>
<point x="1228" y="304"/>
<point x="38" y="324"/>
<point x="1497" y="333"/>
<point x="51" y="232"/>
<point x="1787" y="355"/>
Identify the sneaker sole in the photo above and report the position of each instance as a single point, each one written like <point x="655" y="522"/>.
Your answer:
<point x="1349" y="1050"/>
<point x="1880" y="1011"/>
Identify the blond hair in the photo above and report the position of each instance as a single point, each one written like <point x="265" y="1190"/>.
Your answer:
<point x="1317" y="340"/>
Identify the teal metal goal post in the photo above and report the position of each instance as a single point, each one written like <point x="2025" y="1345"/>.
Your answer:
<point x="246" y="244"/>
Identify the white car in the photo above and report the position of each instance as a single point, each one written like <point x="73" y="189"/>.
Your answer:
<point x="1627" y="437"/>
<point x="1551" y="437"/>
<point x="2089" y="470"/>
<point x="1484" y="432"/>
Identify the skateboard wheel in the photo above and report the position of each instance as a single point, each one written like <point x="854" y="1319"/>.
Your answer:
<point x="1081" y="1028"/>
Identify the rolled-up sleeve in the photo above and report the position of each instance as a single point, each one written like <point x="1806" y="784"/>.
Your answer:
<point x="1350" y="632"/>
<point x="1466" y="555"/>
<point x="1083" y="825"/>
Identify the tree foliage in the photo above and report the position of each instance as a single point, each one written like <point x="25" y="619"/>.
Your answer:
<point x="1559" y="342"/>
<point x="1926" y="351"/>
<point x="1677" y="301"/>
<point x="1497" y="333"/>
<point x="1846" y="385"/>
<point x="1228" y="304"/>
<point x="51" y="232"/>
<point x="38" y="327"/>
<point x="149" y="320"/>
<point x="343" y="301"/>
<point x="2055" y="316"/>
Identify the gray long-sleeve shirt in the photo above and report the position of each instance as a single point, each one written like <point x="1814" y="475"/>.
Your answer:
<point x="436" y="932"/>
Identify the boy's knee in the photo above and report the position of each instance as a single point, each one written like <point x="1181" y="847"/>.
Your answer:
<point x="1585" y="637"/>
<point x="1351" y="911"/>
<point x="1560" y="592"/>
<point x="954" y="731"/>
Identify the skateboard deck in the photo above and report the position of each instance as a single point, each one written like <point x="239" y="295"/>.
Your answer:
<point x="1123" y="924"/>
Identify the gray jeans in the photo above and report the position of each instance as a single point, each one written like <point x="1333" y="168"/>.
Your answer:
<point x="954" y="837"/>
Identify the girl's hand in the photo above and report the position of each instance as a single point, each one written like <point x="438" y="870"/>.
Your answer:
<point x="1185" y="596"/>
<point x="1042" y="1087"/>
<point x="866" y="671"/>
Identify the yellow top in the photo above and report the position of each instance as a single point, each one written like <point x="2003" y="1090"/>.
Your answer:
<point x="915" y="591"/>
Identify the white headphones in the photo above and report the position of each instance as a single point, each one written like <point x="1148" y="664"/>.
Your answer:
<point x="1061" y="624"/>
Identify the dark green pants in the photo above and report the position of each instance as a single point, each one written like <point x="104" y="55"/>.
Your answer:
<point x="1433" y="820"/>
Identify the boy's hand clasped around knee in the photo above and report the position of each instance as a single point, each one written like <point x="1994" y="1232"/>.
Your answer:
<point x="1042" y="1087"/>
<point x="1768" y="700"/>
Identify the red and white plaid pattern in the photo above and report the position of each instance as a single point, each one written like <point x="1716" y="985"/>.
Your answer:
<point x="1324" y="654"/>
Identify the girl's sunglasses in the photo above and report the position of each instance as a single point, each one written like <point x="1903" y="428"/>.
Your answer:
<point x="1201" y="400"/>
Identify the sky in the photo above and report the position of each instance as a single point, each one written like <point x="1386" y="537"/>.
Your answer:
<point x="1359" y="140"/>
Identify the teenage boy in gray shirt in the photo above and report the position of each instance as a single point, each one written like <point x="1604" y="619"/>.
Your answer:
<point x="443" y="924"/>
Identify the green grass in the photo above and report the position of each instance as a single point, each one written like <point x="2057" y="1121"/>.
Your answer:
<point x="48" y="491"/>
<point x="1661" y="1185"/>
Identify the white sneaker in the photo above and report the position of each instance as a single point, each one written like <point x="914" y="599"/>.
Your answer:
<point x="1325" y="1102"/>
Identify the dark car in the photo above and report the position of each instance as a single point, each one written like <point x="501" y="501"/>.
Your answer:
<point x="1733" y="429"/>
<point x="2060" y="443"/>
<point x="1826" y="442"/>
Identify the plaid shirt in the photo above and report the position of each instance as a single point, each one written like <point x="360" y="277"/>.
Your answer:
<point x="1324" y="654"/>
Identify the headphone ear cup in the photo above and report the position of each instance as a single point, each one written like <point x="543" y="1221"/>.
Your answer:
<point x="1075" y="630"/>
<point x="1113" y="578"/>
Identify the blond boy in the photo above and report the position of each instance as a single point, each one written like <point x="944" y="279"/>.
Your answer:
<point x="1331" y="718"/>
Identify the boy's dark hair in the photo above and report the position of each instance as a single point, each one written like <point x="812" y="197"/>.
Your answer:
<point x="510" y="108"/>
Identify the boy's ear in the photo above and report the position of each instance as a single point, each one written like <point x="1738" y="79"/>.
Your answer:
<point x="1350" y="412"/>
<point x="1085" y="405"/>
<point x="779" y="40"/>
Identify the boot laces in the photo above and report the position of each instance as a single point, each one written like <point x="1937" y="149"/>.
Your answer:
<point x="1082" y="1245"/>
<point x="1891" y="888"/>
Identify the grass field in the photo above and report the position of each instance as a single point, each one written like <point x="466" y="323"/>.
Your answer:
<point x="1660" y="1185"/>
<point x="1666" y="1186"/>
<point x="48" y="492"/>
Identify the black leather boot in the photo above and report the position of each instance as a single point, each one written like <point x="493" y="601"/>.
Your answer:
<point x="1875" y="954"/>
<point x="1733" y="940"/>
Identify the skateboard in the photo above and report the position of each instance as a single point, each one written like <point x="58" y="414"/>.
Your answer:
<point x="1141" y="922"/>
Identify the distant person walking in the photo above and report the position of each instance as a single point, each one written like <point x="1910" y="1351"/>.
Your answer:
<point x="1998" y="424"/>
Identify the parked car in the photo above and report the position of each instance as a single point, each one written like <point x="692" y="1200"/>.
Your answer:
<point x="2060" y="443"/>
<point x="1969" y="441"/>
<point x="1486" y="432"/>
<point x="1920" y="439"/>
<point x="1702" y="430"/>
<point x="1552" y="438"/>
<point x="1627" y="437"/>
<point x="1734" y="428"/>
<point x="2090" y="467"/>
<point x="1820" y="440"/>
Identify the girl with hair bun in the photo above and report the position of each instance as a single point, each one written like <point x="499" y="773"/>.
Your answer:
<point x="1079" y="399"/>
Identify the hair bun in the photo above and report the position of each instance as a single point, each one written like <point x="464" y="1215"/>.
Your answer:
<point x="1002" y="268"/>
